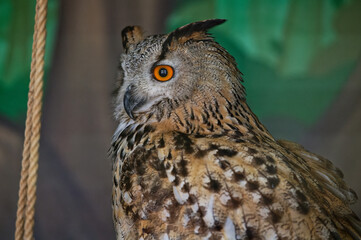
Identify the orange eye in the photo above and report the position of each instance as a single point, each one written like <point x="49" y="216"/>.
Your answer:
<point x="163" y="73"/>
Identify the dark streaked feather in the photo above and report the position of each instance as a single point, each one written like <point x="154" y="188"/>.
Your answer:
<point x="187" y="31"/>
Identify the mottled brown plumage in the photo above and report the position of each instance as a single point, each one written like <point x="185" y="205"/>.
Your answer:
<point x="192" y="161"/>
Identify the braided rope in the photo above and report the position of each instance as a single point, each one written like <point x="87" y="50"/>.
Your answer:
<point x="27" y="188"/>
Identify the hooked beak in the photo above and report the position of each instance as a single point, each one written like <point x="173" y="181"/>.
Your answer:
<point x="131" y="101"/>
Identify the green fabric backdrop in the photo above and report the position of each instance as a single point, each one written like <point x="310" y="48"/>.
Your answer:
<point x="293" y="54"/>
<point x="16" y="35"/>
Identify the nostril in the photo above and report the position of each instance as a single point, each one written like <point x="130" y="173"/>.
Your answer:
<point x="129" y="87"/>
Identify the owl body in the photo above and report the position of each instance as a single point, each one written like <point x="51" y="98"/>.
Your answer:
<point x="192" y="161"/>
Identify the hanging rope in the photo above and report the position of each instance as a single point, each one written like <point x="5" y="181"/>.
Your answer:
<point x="29" y="168"/>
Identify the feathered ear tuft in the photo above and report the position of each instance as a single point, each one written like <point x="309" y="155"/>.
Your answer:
<point x="193" y="31"/>
<point x="131" y="35"/>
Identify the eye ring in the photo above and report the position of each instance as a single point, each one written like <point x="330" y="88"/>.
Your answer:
<point x="163" y="73"/>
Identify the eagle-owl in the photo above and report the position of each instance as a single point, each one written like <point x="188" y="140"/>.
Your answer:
<point x="192" y="161"/>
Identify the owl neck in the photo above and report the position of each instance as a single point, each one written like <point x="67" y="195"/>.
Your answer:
<point x="215" y="116"/>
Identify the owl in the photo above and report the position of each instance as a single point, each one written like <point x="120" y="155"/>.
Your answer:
<point x="190" y="160"/>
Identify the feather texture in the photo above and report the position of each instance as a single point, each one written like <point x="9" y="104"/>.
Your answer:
<point x="195" y="163"/>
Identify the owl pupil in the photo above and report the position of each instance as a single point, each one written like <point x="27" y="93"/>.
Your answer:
<point x="163" y="72"/>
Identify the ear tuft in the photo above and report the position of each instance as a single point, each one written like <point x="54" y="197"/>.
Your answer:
<point x="196" y="27"/>
<point x="131" y="35"/>
<point x="193" y="31"/>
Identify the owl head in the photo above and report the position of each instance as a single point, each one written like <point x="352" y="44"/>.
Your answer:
<point x="161" y="73"/>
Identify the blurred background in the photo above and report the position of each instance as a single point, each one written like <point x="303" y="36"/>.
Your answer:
<point x="301" y="64"/>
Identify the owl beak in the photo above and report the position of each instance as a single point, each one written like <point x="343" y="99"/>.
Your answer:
<point x="131" y="101"/>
